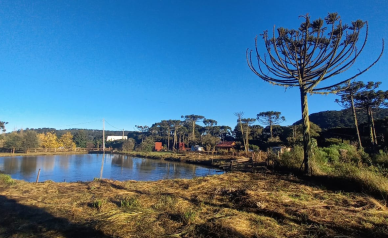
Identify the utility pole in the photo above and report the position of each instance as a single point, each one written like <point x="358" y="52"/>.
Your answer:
<point x="103" y="135"/>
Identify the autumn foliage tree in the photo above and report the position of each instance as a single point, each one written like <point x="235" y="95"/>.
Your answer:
<point x="306" y="56"/>
<point x="67" y="141"/>
<point x="49" y="140"/>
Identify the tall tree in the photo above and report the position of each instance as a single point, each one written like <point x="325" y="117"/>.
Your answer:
<point x="270" y="118"/>
<point x="370" y="100"/>
<point x="192" y="119"/>
<point x="49" y="140"/>
<point x="30" y="140"/>
<point x="239" y="123"/>
<point x="143" y="131"/>
<point x="307" y="56"/>
<point x="13" y="141"/>
<point x="346" y="100"/>
<point x="176" y="124"/>
<point x="246" y="122"/>
<point x="80" y="138"/>
<point x="209" y="125"/>
<point x="67" y="141"/>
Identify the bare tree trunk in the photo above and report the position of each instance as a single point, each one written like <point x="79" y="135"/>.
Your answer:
<point x="270" y="129"/>
<point x="306" y="130"/>
<point x="168" y="139"/>
<point x="193" y="135"/>
<point x="247" y="140"/>
<point x="372" y="138"/>
<point x="175" y="138"/>
<point x="242" y="132"/>
<point x="356" y="123"/>
<point x="373" y="127"/>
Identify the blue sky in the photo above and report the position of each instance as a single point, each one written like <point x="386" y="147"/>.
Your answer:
<point x="68" y="64"/>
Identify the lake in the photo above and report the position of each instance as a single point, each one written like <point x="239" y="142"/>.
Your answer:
<point x="86" y="167"/>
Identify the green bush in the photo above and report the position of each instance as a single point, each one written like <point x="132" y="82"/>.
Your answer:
<point x="6" y="179"/>
<point x="381" y="158"/>
<point x="147" y="145"/>
<point x="332" y="154"/>
<point x="292" y="159"/>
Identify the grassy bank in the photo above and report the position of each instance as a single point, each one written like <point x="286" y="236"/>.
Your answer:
<point x="228" y="205"/>
<point x="194" y="158"/>
<point x="43" y="153"/>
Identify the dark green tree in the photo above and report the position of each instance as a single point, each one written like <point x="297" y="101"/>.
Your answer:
<point x="370" y="100"/>
<point x="143" y="131"/>
<point x="192" y="119"/>
<point x="13" y="141"/>
<point x="346" y="100"/>
<point x="30" y="140"/>
<point x="270" y="118"/>
<point x="209" y="125"/>
<point x="80" y="138"/>
<point x="307" y="56"/>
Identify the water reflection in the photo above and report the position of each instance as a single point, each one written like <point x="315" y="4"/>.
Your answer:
<point x="28" y="165"/>
<point x="11" y="165"/>
<point x="89" y="166"/>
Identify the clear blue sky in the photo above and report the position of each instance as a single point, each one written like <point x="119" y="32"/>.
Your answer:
<point x="64" y="63"/>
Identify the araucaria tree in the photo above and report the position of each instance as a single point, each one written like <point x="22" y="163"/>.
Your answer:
<point x="192" y="119"/>
<point x="270" y="118"/>
<point x="347" y="93"/>
<point x="309" y="55"/>
<point x="370" y="100"/>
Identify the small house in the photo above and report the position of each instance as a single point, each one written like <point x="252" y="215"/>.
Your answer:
<point x="228" y="145"/>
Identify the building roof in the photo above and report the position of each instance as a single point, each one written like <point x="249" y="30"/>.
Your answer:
<point x="226" y="144"/>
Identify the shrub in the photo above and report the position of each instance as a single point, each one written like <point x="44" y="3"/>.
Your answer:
<point x="147" y="145"/>
<point x="292" y="159"/>
<point x="6" y="179"/>
<point x="128" y="145"/>
<point x="381" y="158"/>
<point x="130" y="202"/>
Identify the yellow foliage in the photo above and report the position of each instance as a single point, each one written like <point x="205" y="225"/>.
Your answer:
<point x="49" y="140"/>
<point x="67" y="141"/>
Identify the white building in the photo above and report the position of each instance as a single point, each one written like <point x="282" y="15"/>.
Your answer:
<point x="112" y="138"/>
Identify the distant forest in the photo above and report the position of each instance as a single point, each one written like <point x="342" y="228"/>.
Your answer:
<point x="343" y="118"/>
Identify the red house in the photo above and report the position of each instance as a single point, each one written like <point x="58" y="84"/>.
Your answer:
<point x="158" y="146"/>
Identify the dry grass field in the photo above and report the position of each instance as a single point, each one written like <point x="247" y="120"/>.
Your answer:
<point x="228" y="205"/>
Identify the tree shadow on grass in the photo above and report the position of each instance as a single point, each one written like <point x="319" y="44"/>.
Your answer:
<point x="21" y="220"/>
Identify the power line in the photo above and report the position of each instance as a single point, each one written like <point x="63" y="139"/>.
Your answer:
<point x="112" y="126"/>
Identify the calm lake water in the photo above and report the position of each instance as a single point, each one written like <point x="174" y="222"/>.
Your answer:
<point x="86" y="167"/>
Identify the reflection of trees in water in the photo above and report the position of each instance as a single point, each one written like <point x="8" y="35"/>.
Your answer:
<point x="48" y="163"/>
<point x="122" y="161"/>
<point x="79" y="161"/>
<point x="11" y="165"/>
<point x="28" y="165"/>
<point x="64" y="161"/>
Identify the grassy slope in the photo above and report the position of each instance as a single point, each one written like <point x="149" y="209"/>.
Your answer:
<point x="228" y="205"/>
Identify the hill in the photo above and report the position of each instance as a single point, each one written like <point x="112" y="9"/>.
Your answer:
<point x="343" y="118"/>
